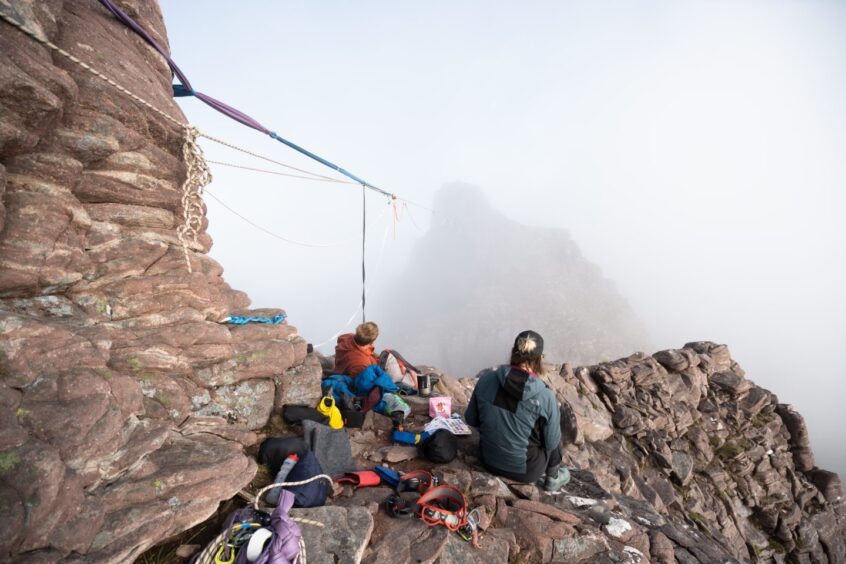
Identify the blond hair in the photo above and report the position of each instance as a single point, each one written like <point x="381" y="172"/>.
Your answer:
<point x="366" y="333"/>
<point x="528" y="352"/>
<point x="526" y="345"/>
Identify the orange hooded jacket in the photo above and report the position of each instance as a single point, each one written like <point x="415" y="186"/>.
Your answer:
<point x="351" y="358"/>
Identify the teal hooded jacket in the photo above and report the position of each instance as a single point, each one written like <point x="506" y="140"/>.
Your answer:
<point x="517" y="416"/>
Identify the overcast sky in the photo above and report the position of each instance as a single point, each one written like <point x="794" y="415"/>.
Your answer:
<point x="694" y="150"/>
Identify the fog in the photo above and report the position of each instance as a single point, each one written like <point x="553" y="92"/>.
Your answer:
<point x="476" y="275"/>
<point x="692" y="151"/>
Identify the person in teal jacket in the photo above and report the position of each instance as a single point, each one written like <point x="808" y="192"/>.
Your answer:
<point x="518" y="418"/>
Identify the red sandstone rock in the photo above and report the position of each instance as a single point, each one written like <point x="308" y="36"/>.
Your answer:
<point x="107" y="342"/>
<point x="125" y="406"/>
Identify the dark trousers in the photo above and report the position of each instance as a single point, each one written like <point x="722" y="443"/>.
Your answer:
<point x="538" y="463"/>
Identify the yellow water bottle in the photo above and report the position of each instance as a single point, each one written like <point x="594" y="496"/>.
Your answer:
<point x="328" y="408"/>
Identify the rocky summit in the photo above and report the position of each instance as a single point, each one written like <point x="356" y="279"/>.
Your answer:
<point x="128" y="406"/>
<point x="678" y="458"/>
<point x="725" y="469"/>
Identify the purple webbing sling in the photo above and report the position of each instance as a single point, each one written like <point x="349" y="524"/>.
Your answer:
<point x="184" y="88"/>
<point x="225" y="109"/>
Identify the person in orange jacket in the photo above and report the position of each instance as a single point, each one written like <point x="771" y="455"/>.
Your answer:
<point x="355" y="351"/>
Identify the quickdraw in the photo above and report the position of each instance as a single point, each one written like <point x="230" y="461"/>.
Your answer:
<point x="470" y="532"/>
<point x="238" y="535"/>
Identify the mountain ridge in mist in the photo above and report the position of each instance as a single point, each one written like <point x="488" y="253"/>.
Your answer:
<point x="477" y="278"/>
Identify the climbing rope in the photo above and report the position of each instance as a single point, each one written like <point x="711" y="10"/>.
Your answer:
<point x="87" y="67"/>
<point x="197" y="172"/>
<point x="267" y="488"/>
<point x="312" y="176"/>
<point x="207" y="555"/>
<point x="197" y="177"/>
<point x="184" y="88"/>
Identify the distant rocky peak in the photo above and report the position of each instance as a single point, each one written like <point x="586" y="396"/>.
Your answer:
<point x="477" y="278"/>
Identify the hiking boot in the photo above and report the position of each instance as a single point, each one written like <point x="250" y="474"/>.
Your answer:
<point x="397" y="419"/>
<point x="555" y="483"/>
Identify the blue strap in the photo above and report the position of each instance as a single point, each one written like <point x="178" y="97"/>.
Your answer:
<point x="180" y="90"/>
<point x="184" y="89"/>
<point x="388" y="476"/>
<point x="239" y="320"/>
<point x="324" y="162"/>
<point x="406" y="438"/>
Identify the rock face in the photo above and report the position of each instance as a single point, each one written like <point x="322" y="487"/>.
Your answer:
<point x="701" y="443"/>
<point x="476" y="278"/>
<point x="124" y="404"/>
<point x="678" y="458"/>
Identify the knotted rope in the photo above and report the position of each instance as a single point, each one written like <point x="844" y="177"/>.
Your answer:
<point x="197" y="171"/>
<point x="208" y="553"/>
<point x="197" y="177"/>
<point x="301" y="558"/>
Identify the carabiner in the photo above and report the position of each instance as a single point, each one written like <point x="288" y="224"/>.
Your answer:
<point x="220" y="559"/>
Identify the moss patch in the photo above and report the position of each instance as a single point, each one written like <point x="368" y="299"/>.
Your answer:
<point x="777" y="546"/>
<point x="729" y="450"/>
<point x="9" y="461"/>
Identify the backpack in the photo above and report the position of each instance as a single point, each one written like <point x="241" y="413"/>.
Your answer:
<point x="440" y="447"/>
<point x="399" y="368"/>
<point x="274" y="450"/>
<point x="252" y="535"/>
<point x="313" y="494"/>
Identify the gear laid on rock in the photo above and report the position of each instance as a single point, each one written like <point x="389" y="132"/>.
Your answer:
<point x="128" y="412"/>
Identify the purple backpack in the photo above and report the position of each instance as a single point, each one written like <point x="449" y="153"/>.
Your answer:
<point x="284" y="545"/>
<point x="281" y="547"/>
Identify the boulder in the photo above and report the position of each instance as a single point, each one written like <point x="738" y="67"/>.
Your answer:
<point x="300" y="384"/>
<point x="578" y="548"/>
<point x="343" y="536"/>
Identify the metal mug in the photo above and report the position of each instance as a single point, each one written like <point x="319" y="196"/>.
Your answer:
<point x="424" y="385"/>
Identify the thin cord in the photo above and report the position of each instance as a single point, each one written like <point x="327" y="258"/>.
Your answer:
<point x="289" y="175"/>
<point x="421" y="206"/>
<point x="271" y="233"/>
<point x="268" y="159"/>
<point x="171" y="119"/>
<point x="347" y="324"/>
<point x="363" y="237"/>
<point x="312" y="176"/>
<point x="379" y="262"/>
<point x="411" y="217"/>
